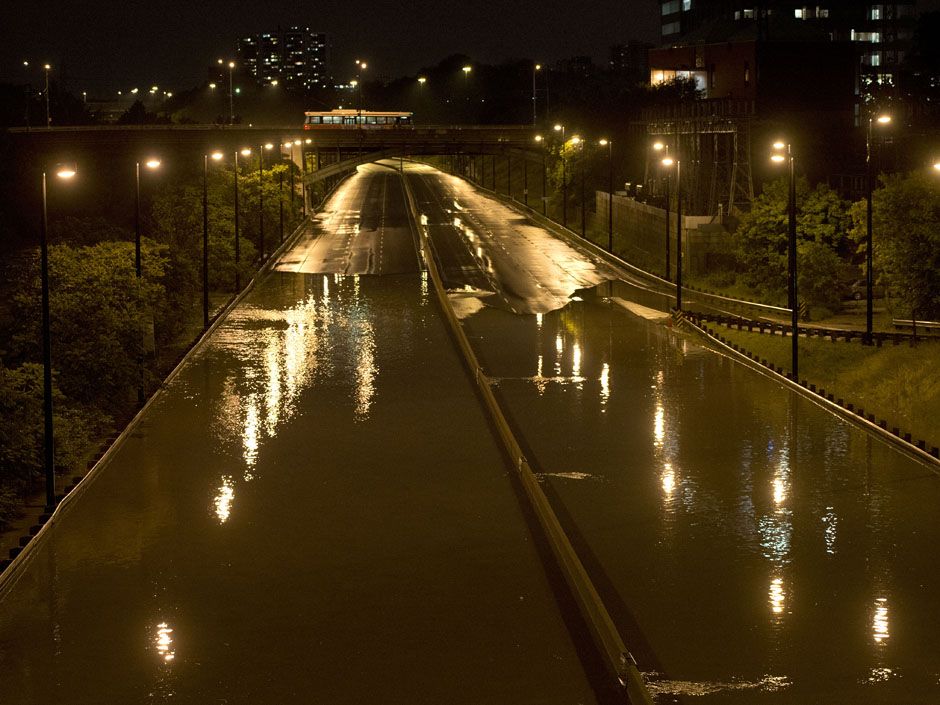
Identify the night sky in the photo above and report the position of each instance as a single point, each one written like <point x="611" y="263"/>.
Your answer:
<point x="105" y="45"/>
<point x="108" y="44"/>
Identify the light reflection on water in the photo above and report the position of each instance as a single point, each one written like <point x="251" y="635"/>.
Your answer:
<point x="879" y="626"/>
<point x="163" y="642"/>
<point x="224" y="498"/>
<point x="327" y="335"/>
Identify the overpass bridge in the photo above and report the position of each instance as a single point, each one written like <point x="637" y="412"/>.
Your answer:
<point x="322" y="154"/>
<point x="419" y="139"/>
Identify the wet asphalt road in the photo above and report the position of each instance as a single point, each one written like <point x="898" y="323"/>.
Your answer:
<point x="753" y="547"/>
<point x="315" y="510"/>
<point x="316" y="506"/>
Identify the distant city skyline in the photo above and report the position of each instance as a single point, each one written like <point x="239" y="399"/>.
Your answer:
<point x="110" y="44"/>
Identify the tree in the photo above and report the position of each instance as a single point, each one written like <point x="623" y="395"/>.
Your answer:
<point x="99" y="316"/>
<point x="21" y="433"/>
<point x="822" y="227"/>
<point x="906" y="239"/>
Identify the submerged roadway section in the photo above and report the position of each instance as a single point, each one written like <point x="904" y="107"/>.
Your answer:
<point x="751" y="546"/>
<point x="314" y="510"/>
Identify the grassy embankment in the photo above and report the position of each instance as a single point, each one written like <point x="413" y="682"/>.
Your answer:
<point x="898" y="383"/>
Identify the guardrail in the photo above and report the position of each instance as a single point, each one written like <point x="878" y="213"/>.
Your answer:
<point x="619" y="662"/>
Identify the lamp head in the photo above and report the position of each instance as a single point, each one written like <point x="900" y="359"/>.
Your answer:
<point x="268" y="145"/>
<point x="884" y="119"/>
<point x="217" y="156"/>
<point x="778" y="158"/>
<point x="246" y="152"/>
<point x="66" y="170"/>
<point x="604" y="142"/>
<point x="152" y="163"/>
<point x="659" y="146"/>
<point x="780" y="144"/>
<point x="668" y="161"/>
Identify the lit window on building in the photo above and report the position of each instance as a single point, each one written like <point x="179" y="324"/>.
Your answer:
<point x="686" y="5"/>
<point x="798" y="13"/>
<point x="671" y="7"/>
<point x="875" y="12"/>
<point x="748" y="13"/>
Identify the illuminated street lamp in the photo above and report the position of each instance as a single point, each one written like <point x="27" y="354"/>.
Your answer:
<point x="231" y="91"/>
<point x="539" y="140"/>
<point x="422" y="80"/>
<point x="215" y="156"/>
<point x="535" y="69"/>
<point x="361" y="66"/>
<point x="881" y="120"/>
<point x="579" y="143"/>
<point x="783" y="153"/>
<point x="660" y="147"/>
<point x="153" y="164"/>
<point x="564" y="178"/>
<point x="62" y="171"/>
<point x="47" y="68"/>
<point x="261" y="149"/>
<point x="238" y="276"/>
<point x="668" y="162"/>
<point x="610" y="192"/>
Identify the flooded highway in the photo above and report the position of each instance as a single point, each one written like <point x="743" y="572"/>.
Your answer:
<point x="752" y="547"/>
<point x="314" y="510"/>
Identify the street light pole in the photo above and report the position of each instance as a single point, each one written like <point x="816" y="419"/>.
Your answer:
<point x="564" y="178"/>
<point x="678" y="232"/>
<point x="869" y="254"/>
<point x="261" y="201"/>
<point x="280" y="203"/>
<point x="205" y="241"/>
<point x="231" y="93"/>
<point x="238" y="276"/>
<point x="150" y="164"/>
<point x="784" y="153"/>
<point x="535" y="70"/>
<point x="581" y="153"/>
<point x="48" y="440"/>
<point x="47" y="68"/>
<point x="610" y="194"/>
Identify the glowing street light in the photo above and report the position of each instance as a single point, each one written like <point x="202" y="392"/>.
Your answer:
<point x="668" y="162"/>
<point x="65" y="172"/>
<point x="246" y="152"/>
<point x="784" y="153"/>
<point x="564" y="177"/>
<point x="882" y="120"/>
<point x="231" y="91"/>
<point x="217" y="157"/>
<point x="47" y="68"/>
<point x="151" y="163"/>
<point x="539" y="140"/>
<point x="267" y="146"/>
<point x="604" y="142"/>
<point x="422" y="80"/>
<point x="535" y="69"/>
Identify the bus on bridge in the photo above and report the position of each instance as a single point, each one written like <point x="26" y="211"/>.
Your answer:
<point x="356" y="119"/>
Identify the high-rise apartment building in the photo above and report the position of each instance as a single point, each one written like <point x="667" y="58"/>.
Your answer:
<point x="882" y="32"/>
<point x="296" y="57"/>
